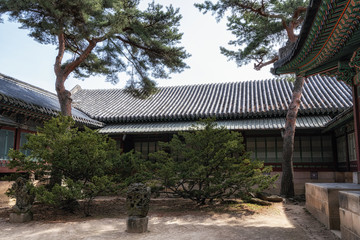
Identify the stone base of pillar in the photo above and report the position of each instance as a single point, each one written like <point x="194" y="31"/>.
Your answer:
<point x="20" y="217"/>
<point x="137" y="224"/>
<point x="356" y="177"/>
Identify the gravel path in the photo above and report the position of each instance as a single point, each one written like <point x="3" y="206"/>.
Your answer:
<point x="286" y="221"/>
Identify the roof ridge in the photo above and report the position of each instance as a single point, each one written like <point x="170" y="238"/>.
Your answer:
<point x="187" y="85"/>
<point x="28" y="86"/>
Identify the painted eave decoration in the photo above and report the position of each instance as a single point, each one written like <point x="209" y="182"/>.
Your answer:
<point x="327" y="41"/>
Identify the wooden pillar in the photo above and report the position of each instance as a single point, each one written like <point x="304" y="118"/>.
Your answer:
<point x="355" y="65"/>
<point x="356" y="107"/>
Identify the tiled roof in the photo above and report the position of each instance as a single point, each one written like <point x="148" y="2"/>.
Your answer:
<point x="30" y="98"/>
<point x="243" y="124"/>
<point x="239" y="100"/>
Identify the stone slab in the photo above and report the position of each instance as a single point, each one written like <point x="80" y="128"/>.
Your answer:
<point x="322" y="201"/>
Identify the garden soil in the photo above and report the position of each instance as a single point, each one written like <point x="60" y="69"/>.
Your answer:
<point x="170" y="219"/>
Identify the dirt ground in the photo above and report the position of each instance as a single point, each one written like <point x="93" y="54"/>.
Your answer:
<point x="170" y="219"/>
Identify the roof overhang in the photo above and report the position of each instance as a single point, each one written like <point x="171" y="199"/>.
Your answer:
<point x="303" y="122"/>
<point x="329" y="36"/>
<point x="339" y="120"/>
<point x="7" y="121"/>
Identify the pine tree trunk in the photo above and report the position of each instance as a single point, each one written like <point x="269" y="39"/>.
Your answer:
<point x="287" y="183"/>
<point x="61" y="73"/>
<point x="64" y="96"/>
<point x="65" y="100"/>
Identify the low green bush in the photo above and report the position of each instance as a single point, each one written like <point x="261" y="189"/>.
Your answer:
<point x="81" y="159"/>
<point x="208" y="163"/>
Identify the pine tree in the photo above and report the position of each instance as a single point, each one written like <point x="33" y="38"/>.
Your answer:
<point x="260" y="27"/>
<point x="103" y="37"/>
<point x="208" y="163"/>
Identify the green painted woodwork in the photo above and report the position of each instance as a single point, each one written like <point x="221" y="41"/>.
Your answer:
<point x="345" y="73"/>
<point x="355" y="60"/>
<point x="333" y="36"/>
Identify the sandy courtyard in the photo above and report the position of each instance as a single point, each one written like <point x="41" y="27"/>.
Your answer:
<point x="280" y="221"/>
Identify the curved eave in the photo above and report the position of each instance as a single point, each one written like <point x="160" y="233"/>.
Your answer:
<point x="303" y="122"/>
<point x="309" y="19"/>
<point x="330" y="34"/>
<point x="40" y="111"/>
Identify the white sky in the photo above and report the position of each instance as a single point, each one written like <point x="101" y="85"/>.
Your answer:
<point x="23" y="58"/>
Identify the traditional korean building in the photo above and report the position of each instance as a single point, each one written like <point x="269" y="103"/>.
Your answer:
<point x="255" y="108"/>
<point x="329" y="44"/>
<point x="23" y="107"/>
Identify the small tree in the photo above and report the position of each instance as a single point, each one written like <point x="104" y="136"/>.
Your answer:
<point x="81" y="158"/>
<point x="208" y="163"/>
<point x="130" y="168"/>
<point x="103" y="37"/>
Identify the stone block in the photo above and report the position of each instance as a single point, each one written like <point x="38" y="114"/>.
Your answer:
<point x="350" y="214"/>
<point x="137" y="224"/>
<point x="339" y="176"/>
<point x="356" y="177"/>
<point x="20" y="217"/>
<point x="346" y="234"/>
<point x="322" y="200"/>
<point x="326" y="175"/>
<point x="345" y="218"/>
<point x="348" y="177"/>
<point x="350" y="201"/>
<point x="356" y="223"/>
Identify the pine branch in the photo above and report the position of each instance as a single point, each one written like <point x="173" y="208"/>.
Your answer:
<point x="134" y="44"/>
<point x="71" y="66"/>
<point x="261" y="64"/>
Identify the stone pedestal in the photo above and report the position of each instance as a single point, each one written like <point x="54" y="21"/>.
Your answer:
<point x="20" y="217"/>
<point x="137" y="204"/>
<point x="137" y="224"/>
<point x="356" y="177"/>
<point x="322" y="201"/>
<point x="350" y="215"/>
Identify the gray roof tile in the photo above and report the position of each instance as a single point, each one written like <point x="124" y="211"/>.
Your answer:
<point x="246" y="99"/>
<point x="306" y="122"/>
<point x="31" y="98"/>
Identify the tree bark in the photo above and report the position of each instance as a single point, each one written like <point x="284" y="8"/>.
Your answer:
<point x="287" y="183"/>
<point x="62" y="73"/>
<point x="64" y="95"/>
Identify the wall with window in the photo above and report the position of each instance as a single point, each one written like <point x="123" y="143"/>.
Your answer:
<point x="345" y="147"/>
<point x="309" y="151"/>
<point x="11" y="138"/>
<point x="146" y="147"/>
<point x="7" y="141"/>
<point x="144" y="144"/>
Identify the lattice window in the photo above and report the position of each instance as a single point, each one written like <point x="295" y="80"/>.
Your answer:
<point x="145" y="148"/>
<point x="306" y="149"/>
<point x="7" y="138"/>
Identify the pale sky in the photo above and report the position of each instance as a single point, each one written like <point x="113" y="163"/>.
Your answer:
<point x="25" y="59"/>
